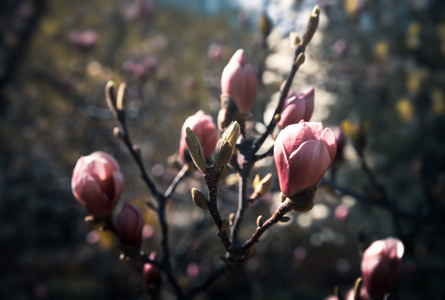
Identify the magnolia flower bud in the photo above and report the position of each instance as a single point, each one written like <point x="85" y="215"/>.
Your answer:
<point x="97" y="183"/>
<point x="303" y="152"/>
<point x="297" y="107"/>
<point x="238" y="80"/>
<point x="129" y="225"/>
<point x="205" y="131"/>
<point x="382" y="266"/>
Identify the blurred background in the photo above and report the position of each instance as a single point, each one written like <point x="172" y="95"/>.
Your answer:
<point x="378" y="67"/>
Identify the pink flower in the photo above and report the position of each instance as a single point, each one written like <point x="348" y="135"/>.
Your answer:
<point x="129" y="225"/>
<point x="152" y="276"/>
<point x="214" y="52"/>
<point x="297" y="107"/>
<point x="205" y="130"/>
<point x="97" y="183"/>
<point x="382" y="266"/>
<point x="303" y="152"/>
<point x="85" y="40"/>
<point x="238" y="80"/>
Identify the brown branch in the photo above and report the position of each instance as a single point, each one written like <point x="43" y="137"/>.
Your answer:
<point x="284" y="208"/>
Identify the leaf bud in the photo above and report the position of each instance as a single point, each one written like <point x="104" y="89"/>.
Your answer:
<point x="121" y="95"/>
<point x="195" y="150"/>
<point x="224" y="152"/>
<point x="262" y="187"/>
<point x="259" y="221"/>
<point x="231" y="134"/>
<point x="118" y="134"/>
<point x="199" y="199"/>
<point x="222" y="175"/>
<point x="311" y="26"/>
<point x="110" y="95"/>
<point x="300" y="59"/>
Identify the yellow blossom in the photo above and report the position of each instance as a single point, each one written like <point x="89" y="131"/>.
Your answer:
<point x="405" y="110"/>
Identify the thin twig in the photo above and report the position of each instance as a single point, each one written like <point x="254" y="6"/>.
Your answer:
<point x="242" y="202"/>
<point x="284" y="208"/>
<point x="210" y="179"/>
<point x="136" y="156"/>
<point x="166" y="265"/>
<point x="176" y="181"/>
<point x="282" y="98"/>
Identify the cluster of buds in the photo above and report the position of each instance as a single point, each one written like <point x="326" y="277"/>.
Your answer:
<point x="205" y="131"/>
<point x="97" y="184"/>
<point x="303" y="152"/>
<point x="297" y="107"/>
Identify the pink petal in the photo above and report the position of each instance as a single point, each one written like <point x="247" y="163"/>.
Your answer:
<point x="307" y="165"/>
<point x="317" y="127"/>
<point x="292" y="112"/>
<point x="282" y="164"/>
<point x="294" y="135"/>
<point x="328" y="137"/>
<point x="91" y="198"/>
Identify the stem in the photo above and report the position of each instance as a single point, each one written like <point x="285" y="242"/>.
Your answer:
<point x="120" y="117"/>
<point x="284" y="208"/>
<point x="283" y="96"/>
<point x="176" y="181"/>
<point x="161" y="199"/>
<point x="210" y="179"/>
<point x="242" y="202"/>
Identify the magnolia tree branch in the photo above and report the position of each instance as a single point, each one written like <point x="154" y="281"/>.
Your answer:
<point x="116" y="105"/>
<point x="178" y="178"/>
<point x="210" y="179"/>
<point x="249" y="152"/>
<point x="284" y="208"/>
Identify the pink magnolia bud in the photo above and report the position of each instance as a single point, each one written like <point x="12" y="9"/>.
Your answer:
<point x="303" y="152"/>
<point x="129" y="225"/>
<point x="382" y="266"/>
<point x="205" y="130"/>
<point x="97" y="183"/>
<point x="152" y="277"/>
<point x="238" y="80"/>
<point x="297" y="107"/>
